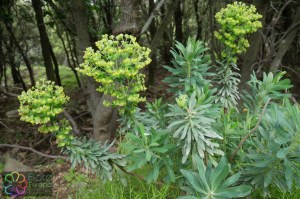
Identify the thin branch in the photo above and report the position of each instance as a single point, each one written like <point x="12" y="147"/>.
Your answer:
<point x="32" y="150"/>
<point x="82" y="114"/>
<point x="153" y="14"/>
<point x="251" y="132"/>
<point x="293" y="70"/>
<point x="74" y="125"/>
<point x="6" y="126"/>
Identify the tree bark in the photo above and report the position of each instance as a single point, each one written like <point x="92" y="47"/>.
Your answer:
<point x="44" y="40"/>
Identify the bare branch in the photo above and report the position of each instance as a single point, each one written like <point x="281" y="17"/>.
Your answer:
<point x="32" y="150"/>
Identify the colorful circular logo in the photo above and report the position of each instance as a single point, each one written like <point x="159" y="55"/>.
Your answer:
<point x="14" y="184"/>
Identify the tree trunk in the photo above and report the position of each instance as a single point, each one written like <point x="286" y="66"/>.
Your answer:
<point x="211" y="27"/>
<point x="44" y="40"/>
<point x="101" y="115"/>
<point x="163" y="26"/>
<point x="1" y="55"/>
<point x="250" y="57"/>
<point x="178" y="21"/>
<point x="105" y="119"/>
<point x="24" y="56"/>
<point x="56" y="67"/>
<point x="152" y="30"/>
<point x="11" y="57"/>
<point x="130" y="17"/>
<point x="83" y="41"/>
<point x="286" y="42"/>
<point x="17" y="78"/>
<point x="197" y="15"/>
<point x="108" y="9"/>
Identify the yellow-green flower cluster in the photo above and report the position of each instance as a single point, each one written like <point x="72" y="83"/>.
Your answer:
<point x="236" y="20"/>
<point x="116" y="65"/>
<point x="182" y="100"/>
<point x="41" y="104"/>
<point x="63" y="135"/>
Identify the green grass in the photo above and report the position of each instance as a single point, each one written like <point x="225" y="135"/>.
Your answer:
<point x="136" y="189"/>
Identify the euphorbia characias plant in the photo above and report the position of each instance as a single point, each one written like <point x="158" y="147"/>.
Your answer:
<point x="116" y="65"/>
<point x="236" y="21"/>
<point x="41" y="104"/>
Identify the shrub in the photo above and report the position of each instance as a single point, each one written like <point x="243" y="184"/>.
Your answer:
<point x="187" y="140"/>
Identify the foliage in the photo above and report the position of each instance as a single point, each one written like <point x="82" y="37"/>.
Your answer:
<point x="236" y="20"/>
<point x="273" y="156"/>
<point x="117" y="61"/>
<point x="191" y="122"/>
<point x="190" y="67"/>
<point x="74" y="177"/>
<point x="271" y="86"/>
<point x="228" y="80"/>
<point x="63" y="134"/>
<point x="95" y="157"/>
<point x="153" y="149"/>
<point x="212" y="183"/>
<point x="153" y="117"/>
<point x="41" y="104"/>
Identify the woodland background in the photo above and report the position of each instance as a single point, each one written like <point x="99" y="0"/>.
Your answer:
<point x="47" y="38"/>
